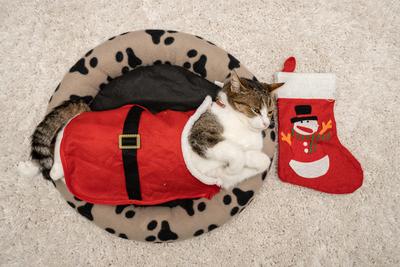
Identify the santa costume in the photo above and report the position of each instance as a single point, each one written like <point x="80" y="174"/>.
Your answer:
<point x="128" y="156"/>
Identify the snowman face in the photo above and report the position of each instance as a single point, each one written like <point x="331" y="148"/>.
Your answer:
<point x="306" y="127"/>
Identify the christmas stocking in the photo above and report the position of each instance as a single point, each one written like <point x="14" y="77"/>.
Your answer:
<point x="310" y="153"/>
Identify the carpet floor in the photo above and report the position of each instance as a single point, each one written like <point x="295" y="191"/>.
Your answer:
<point x="285" y="225"/>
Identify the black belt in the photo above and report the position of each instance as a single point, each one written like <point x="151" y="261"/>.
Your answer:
<point x="129" y="142"/>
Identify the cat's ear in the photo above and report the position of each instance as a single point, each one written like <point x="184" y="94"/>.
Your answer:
<point x="272" y="87"/>
<point x="235" y="82"/>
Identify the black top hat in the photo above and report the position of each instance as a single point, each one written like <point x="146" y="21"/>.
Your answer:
<point x="303" y="110"/>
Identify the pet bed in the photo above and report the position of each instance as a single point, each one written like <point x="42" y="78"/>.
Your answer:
<point x="106" y="71"/>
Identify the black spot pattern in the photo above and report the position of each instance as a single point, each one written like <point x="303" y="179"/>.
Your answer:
<point x="167" y="62"/>
<point x="111" y="38"/>
<point x="86" y="211"/>
<point x="157" y="62"/>
<point x="170" y="31"/>
<point x="169" y="40"/>
<point x="273" y="136"/>
<point x="212" y="227"/>
<point x="201" y="38"/>
<point x="58" y="87"/>
<point x="87" y="98"/>
<point x="198" y="232"/>
<point x="165" y="233"/>
<point x="119" y="56"/>
<point x="125" y="70"/>
<point x="264" y="175"/>
<point x="129" y="214"/>
<point x="88" y="53"/>
<point x="120" y="208"/>
<point x="234" y="211"/>
<point x="150" y="238"/>
<point x="80" y="67"/>
<point x="227" y="199"/>
<point x="192" y="53"/>
<point x="124" y="33"/>
<point x="152" y="225"/>
<point x="133" y="60"/>
<point x="210" y="43"/>
<point x="71" y="204"/>
<point x="77" y="199"/>
<point x="93" y="62"/>
<point x="155" y="35"/>
<point x="201" y="206"/>
<point x="186" y="204"/>
<point x="242" y="196"/>
<point x="187" y="65"/>
<point x="233" y="62"/>
<point x="124" y="236"/>
<point x="263" y="134"/>
<point x="199" y="66"/>
<point x="110" y="230"/>
<point x="272" y="123"/>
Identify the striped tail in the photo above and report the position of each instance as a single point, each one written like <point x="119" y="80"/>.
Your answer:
<point x="42" y="144"/>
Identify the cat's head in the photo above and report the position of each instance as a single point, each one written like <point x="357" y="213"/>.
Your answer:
<point x="251" y="98"/>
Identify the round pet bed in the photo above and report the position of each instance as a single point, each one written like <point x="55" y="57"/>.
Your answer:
<point x="180" y="219"/>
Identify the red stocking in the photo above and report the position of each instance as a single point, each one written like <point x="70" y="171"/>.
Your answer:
<point x="310" y="153"/>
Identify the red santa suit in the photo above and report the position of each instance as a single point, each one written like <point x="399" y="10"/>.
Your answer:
<point x="128" y="156"/>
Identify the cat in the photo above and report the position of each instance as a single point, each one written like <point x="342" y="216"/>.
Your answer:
<point x="226" y="140"/>
<point x="248" y="108"/>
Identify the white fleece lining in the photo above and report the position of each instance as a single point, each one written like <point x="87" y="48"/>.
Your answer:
<point x="219" y="84"/>
<point x="306" y="85"/>
<point x="186" y="148"/>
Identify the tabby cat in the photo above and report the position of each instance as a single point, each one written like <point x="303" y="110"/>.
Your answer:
<point x="229" y="133"/>
<point x="226" y="140"/>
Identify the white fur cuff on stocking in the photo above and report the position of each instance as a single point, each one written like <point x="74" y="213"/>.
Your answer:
<point x="306" y="85"/>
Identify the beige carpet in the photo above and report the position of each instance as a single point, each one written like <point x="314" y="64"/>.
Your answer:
<point x="286" y="225"/>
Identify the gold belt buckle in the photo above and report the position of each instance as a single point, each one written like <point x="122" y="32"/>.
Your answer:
<point x="129" y="136"/>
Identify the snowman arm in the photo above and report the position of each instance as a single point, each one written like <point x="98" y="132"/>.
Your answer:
<point x="286" y="138"/>
<point x="325" y="127"/>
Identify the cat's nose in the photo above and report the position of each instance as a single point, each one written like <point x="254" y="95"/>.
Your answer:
<point x="271" y="125"/>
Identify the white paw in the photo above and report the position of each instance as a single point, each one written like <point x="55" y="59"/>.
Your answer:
<point x="56" y="171"/>
<point x="28" y="169"/>
<point x="236" y="165"/>
<point x="257" y="160"/>
<point x="228" y="183"/>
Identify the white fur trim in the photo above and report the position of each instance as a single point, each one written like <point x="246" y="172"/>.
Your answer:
<point x="219" y="84"/>
<point x="186" y="148"/>
<point x="306" y="85"/>
<point x="57" y="170"/>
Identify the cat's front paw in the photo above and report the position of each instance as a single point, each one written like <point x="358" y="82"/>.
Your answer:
<point x="235" y="167"/>
<point x="236" y="163"/>
<point x="257" y="160"/>
<point x="228" y="183"/>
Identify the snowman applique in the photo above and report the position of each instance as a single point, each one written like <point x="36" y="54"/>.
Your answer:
<point x="309" y="161"/>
